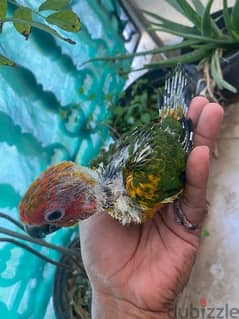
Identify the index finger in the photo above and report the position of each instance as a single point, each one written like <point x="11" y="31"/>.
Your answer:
<point x="196" y="107"/>
<point x="208" y="124"/>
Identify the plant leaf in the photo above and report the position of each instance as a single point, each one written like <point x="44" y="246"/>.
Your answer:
<point x="217" y="74"/>
<point x="206" y="23"/>
<point x="45" y="28"/>
<point x="3" y="8"/>
<point x="215" y="45"/>
<point x="65" y="19"/>
<point x="170" y="24"/>
<point x="228" y="86"/>
<point x="183" y="7"/>
<point x="235" y="15"/>
<point x="227" y="18"/>
<point x="175" y="5"/>
<point x="191" y="57"/>
<point x="51" y="31"/>
<point x="165" y="48"/>
<point x="3" y="11"/>
<point x="197" y="37"/>
<point x="190" y="13"/>
<point x="53" y="5"/>
<point x="6" y="61"/>
<point x="198" y="6"/>
<point x="235" y="35"/>
<point x="22" y="20"/>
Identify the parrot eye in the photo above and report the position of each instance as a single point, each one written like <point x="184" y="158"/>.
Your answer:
<point x="56" y="215"/>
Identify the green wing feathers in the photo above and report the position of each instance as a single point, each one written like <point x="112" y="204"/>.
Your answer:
<point x="154" y="171"/>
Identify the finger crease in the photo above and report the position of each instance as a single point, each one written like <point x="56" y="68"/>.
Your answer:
<point x="198" y="188"/>
<point x="186" y="202"/>
<point x="203" y="136"/>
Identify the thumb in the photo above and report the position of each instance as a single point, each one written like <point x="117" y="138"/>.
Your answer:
<point x="193" y="201"/>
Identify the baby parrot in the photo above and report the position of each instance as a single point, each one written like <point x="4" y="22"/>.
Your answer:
<point x="139" y="173"/>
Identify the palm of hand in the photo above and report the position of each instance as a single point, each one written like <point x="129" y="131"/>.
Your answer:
<point x="148" y="265"/>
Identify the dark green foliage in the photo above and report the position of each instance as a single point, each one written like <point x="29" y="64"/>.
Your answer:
<point x="211" y="41"/>
<point x="24" y="18"/>
<point x="3" y="11"/>
<point x="54" y="5"/>
<point x="204" y="43"/>
<point x="134" y="109"/>
<point x="65" y="19"/>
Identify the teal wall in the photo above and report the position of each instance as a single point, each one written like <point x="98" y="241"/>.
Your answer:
<point x="51" y="109"/>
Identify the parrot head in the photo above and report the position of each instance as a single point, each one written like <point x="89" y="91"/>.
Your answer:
<point x="64" y="194"/>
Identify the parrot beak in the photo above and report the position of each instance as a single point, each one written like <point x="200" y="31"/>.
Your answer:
<point x="40" y="231"/>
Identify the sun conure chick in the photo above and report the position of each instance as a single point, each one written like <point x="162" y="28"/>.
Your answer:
<point x="140" y="172"/>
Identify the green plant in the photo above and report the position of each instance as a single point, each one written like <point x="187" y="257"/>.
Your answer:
<point x="203" y="43"/>
<point x="206" y="42"/>
<point x="24" y="18"/>
<point x="134" y="108"/>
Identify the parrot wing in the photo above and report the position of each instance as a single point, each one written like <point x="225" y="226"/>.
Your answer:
<point x="152" y="158"/>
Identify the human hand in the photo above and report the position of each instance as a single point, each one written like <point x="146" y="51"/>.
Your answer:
<point x="137" y="271"/>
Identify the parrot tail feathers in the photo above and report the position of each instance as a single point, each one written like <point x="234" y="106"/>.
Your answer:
<point x="177" y="94"/>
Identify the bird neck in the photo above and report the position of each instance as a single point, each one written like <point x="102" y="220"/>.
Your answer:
<point x="98" y="189"/>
